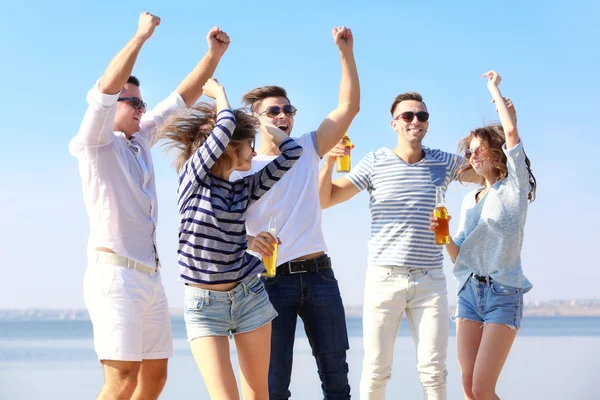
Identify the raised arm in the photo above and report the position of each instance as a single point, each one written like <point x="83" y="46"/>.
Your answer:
<point x="190" y="88"/>
<point x="260" y="182"/>
<point x="97" y="126"/>
<point x="332" y="129"/>
<point x="332" y="193"/>
<point x="199" y="165"/>
<point x="119" y="69"/>
<point x="509" y="123"/>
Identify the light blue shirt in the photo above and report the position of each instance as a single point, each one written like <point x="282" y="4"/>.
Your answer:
<point x="490" y="233"/>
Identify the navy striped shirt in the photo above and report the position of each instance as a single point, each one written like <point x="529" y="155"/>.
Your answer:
<point x="212" y="233"/>
<point x="401" y="197"/>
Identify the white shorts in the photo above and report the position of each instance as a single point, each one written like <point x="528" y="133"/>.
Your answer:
<point x="129" y="313"/>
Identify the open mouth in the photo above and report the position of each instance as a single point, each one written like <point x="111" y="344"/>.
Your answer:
<point x="283" y="127"/>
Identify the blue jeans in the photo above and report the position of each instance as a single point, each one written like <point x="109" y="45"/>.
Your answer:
<point x="315" y="297"/>
<point x="212" y="313"/>
<point x="490" y="302"/>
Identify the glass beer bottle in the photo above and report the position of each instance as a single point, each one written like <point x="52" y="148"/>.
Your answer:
<point x="271" y="261"/>
<point x="442" y="234"/>
<point x="343" y="163"/>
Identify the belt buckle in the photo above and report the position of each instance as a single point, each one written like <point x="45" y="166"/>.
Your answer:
<point x="293" y="272"/>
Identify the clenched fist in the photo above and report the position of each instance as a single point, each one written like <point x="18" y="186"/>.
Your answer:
<point x="218" y="41"/>
<point x="342" y="37"/>
<point x="147" y="24"/>
<point x="212" y="88"/>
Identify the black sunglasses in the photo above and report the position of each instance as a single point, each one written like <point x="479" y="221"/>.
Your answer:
<point x="274" y="111"/>
<point x="408" y="116"/>
<point x="477" y="153"/>
<point x="136" y="102"/>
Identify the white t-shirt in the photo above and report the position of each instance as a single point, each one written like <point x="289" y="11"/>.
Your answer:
<point x="294" y="201"/>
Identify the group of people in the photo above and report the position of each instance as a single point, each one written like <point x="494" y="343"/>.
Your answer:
<point x="229" y="190"/>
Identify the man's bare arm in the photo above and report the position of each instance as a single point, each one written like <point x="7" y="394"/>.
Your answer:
<point x="120" y="68"/>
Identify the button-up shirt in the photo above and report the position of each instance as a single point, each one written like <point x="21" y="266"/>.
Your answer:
<point x="118" y="177"/>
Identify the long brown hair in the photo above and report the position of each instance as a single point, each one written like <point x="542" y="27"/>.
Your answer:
<point x="492" y="139"/>
<point x="187" y="131"/>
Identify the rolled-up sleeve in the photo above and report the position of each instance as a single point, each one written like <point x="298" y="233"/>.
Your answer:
<point x="155" y="118"/>
<point x="97" y="126"/>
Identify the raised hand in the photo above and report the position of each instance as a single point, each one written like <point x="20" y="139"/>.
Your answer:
<point x="494" y="78"/>
<point x="343" y="39"/>
<point x="511" y="108"/>
<point x="218" y="41"/>
<point x="263" y="244"/>
<point x="212" y="88"/>
<point x="147" y="24"/>
<point x="339" y="150"/>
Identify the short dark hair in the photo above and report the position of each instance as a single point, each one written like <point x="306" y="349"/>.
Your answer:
<point x="403" y="97"/>
<point x="133" y="80"/>
<point x="254" y="97"/>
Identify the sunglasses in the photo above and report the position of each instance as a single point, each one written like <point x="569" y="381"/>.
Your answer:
<point x="477" y="153"/>
<point x="408" y="116"/>
<point x="136" y="102"/>
<point x="274" y="111"/>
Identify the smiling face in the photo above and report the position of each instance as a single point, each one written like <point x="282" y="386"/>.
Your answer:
<point x="410" y="131"/>
<point x="479" y="158"/>
<point x="127" y="118"/>
<point x="244" y="153"/>
<point x="283" y="120"/>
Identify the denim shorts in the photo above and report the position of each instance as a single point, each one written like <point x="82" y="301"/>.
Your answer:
<point x="242" y="309"/>
<point x="490" y="303"/>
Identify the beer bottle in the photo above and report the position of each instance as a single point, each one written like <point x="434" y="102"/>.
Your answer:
<point x="343" y="163"/>
<point x="442" y="234"/>
<point x="271" y="261"/>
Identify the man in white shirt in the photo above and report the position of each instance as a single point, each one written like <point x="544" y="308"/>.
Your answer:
<point x="122" y="286"/>
<point x="305" y="284"/>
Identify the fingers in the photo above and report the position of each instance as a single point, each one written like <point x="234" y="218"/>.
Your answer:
<point x="218" y="34"/>
<point x="341" y="32"/>
<point x="154" y="20"/>
<point x="340" y="150"/>
<point x="263" y="244"/>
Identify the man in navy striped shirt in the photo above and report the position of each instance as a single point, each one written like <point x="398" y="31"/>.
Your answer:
<point x="404" y="271"/>
<point x="305" y="284"/>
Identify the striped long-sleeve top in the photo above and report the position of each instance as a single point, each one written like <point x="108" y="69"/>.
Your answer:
<point x="212" y="232"/>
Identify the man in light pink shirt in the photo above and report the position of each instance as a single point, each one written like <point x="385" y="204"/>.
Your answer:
<point x="122" y="286"/>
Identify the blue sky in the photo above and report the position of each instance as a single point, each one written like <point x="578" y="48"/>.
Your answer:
<point x="546" y="52"/>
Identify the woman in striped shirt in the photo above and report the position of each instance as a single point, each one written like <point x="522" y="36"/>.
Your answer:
<point x="223" y="294"/>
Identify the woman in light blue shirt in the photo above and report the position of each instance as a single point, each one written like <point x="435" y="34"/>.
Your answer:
<point x="487" y="249"/>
